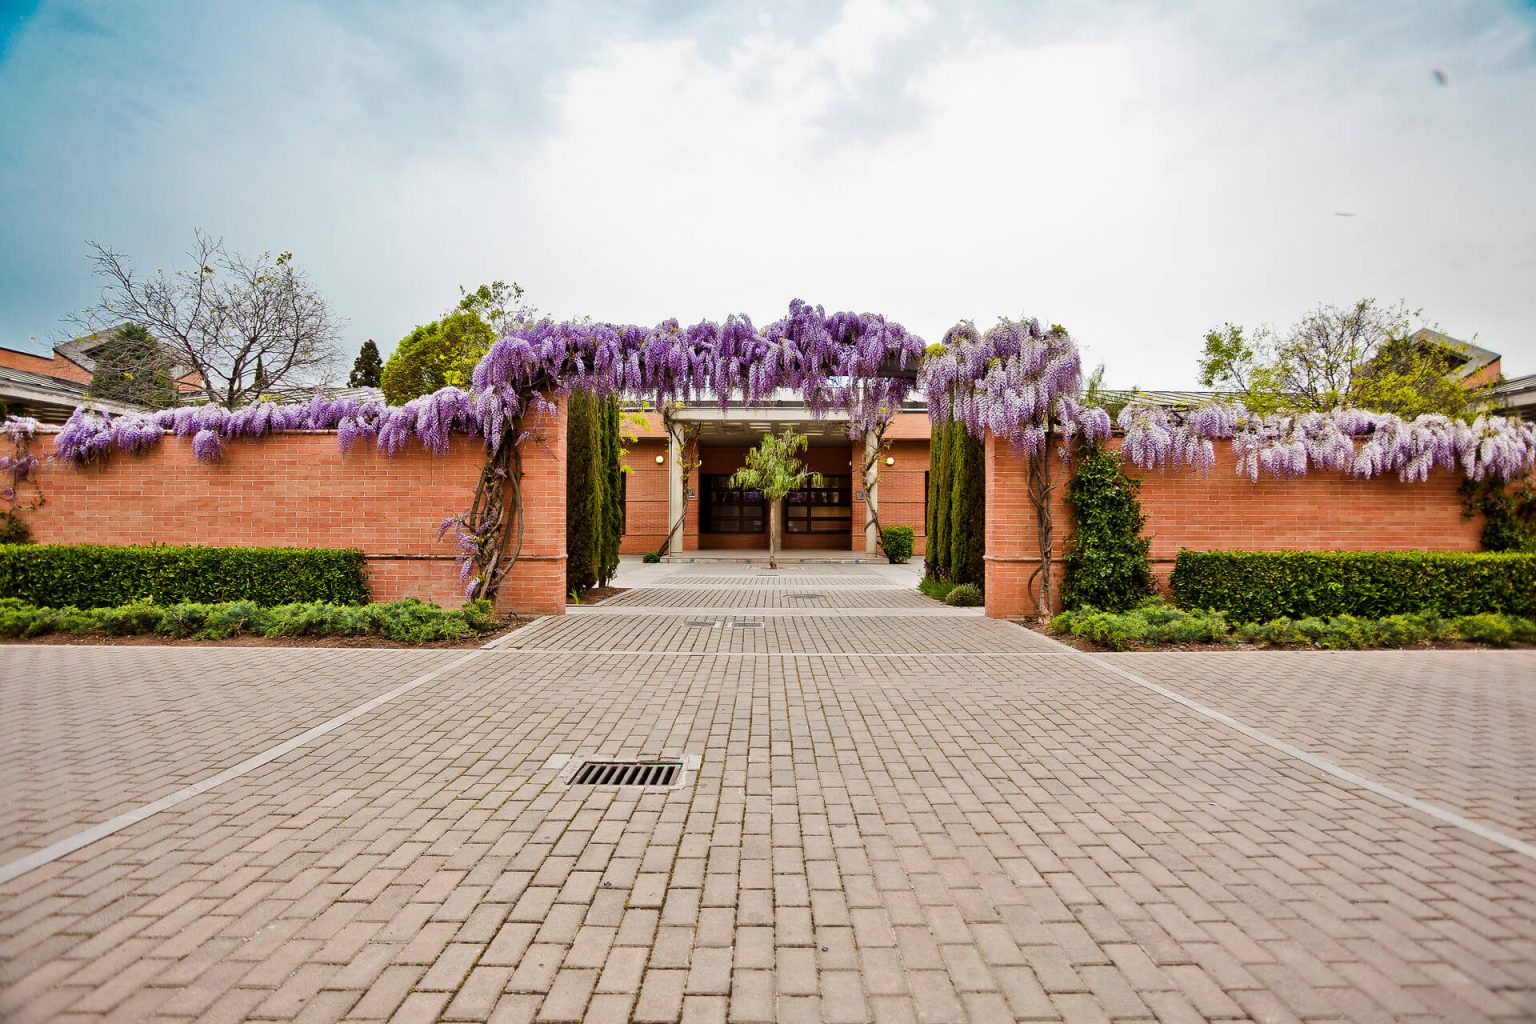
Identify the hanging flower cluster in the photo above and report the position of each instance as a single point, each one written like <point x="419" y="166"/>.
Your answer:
<point x="17" y="467"/>
<point x="1018" y="381"/>
<point x="91" y="436"/>
<point x="1351" y="441"/>
<point x="834" y="361"/>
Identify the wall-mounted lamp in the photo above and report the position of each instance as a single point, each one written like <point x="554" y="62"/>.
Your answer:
<point x="660" y="459"/>
<point x="890" y="460"/>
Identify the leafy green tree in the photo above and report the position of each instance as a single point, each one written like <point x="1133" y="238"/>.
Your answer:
<point x="435" y="355"/>
<point x="1360" y="355"/>
<point x="1106" y="561"/>
<point x="775" y="469"/>
<point x="967" y="509"/>
<point x="368" y="369"/>
<point x="445" y="351"/>
<point x="499" y="304"/>
<point x="135" y="369"/>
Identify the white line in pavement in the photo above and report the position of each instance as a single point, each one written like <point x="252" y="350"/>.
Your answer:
<point x="79" y="840"/>
<point x="1322" y="764"/>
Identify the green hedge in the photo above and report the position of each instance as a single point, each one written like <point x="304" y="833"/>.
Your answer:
<point x="409" y="621"/>
<point x="102" y="576"/>
<point x="1153" y="623"/>
<point x="1256" y="586"/>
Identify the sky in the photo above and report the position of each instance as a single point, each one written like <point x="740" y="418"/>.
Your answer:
<point x="1139" y="172"/>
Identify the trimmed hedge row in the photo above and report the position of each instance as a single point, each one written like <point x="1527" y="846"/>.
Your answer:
<point x="1256" y="586"/>
<point x="102" y="576"/>
<point x="408" y="621"/>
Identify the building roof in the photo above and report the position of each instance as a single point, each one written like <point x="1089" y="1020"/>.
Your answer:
<point x="46" y="399"/>
<point x="1474" y="357"/>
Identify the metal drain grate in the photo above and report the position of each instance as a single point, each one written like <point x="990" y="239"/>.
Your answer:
<point x="806" y="596"/>
<point x="701" y="623"/>
<point x="746" y="625"/>
<point x="627" y="773"/>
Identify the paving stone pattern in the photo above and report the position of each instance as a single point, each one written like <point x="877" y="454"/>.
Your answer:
<point x="999" y="832"/>
<point x="1454" y="729"/>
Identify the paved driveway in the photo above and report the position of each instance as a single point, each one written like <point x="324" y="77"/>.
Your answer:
<point x="901" y="812"/>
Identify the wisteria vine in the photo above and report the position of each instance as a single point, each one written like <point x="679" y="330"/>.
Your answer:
<point x="1355" y="442"/>
<point x="1018" y="381"/>
<point x="835" y="361"/>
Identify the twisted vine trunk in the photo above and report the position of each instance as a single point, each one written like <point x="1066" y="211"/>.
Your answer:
<point x="1040" y="585"/>
<point x="871" y="478"/>
<point x="492" y="518"/>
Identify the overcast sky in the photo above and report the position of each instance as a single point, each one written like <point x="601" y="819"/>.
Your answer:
<point x="1137" y="172"/>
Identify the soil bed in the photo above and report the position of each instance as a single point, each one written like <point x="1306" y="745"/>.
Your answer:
<point x="596" y="595"/>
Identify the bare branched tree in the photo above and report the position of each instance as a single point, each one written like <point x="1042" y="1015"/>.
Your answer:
<point x="246" y="327"/>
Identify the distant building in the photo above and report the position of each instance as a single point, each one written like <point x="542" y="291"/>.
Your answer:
<point x="49" y="388"/>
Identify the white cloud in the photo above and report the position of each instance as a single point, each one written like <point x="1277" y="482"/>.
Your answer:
<point x="1137" y="173"/>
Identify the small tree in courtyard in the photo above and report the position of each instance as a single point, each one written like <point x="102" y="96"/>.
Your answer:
<point x="775" y="469"/>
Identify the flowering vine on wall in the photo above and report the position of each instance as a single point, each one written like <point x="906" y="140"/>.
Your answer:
<point x="1018" y="381"/>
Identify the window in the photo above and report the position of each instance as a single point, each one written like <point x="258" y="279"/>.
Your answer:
<point x="825" y="509"/>
<point x="727" y="509"/>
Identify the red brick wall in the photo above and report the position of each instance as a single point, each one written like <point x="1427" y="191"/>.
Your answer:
<point x="645" y="497"/>
<point x="1222" y="511"/>
<point x="297" y="490"/>
<point x="903" y="491"/>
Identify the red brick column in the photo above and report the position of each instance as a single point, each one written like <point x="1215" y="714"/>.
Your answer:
<point x="1012" y="545"/>
<point x="536" y="584"/>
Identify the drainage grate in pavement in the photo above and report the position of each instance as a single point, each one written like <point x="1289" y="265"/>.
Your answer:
<point x="701" y="623"/>
<point x="806" y="596"/>
<point x="746" y="625"/>
<point x="627" y="773"/>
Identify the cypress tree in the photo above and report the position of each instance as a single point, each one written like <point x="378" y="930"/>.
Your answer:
<point x="939" y="480"/>
<point x="967" y="531"/>
<point x="583" y="492"/>
<point x="613" y="493"/>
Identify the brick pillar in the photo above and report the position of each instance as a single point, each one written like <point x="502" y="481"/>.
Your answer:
<point x="536" y="584"/>
<point x="1013" y="548"/>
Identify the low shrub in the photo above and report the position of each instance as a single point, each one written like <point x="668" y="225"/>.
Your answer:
<point x="108" y="576"/>
<point x="1154" y="622"/>
<point x="964" y="595"/>
<point x="898" y="542"/>
<point x="409" y="621"/>
<point x="1256" y="586"/>
<point x="650" y="558"/>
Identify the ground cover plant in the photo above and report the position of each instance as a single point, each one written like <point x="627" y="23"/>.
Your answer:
<point x="101" y="575"/>
<point x="1153" y="623"/>
<point x="409" y="621"/>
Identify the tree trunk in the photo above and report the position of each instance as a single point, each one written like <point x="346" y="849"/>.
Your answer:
<point x="773" y="533"/>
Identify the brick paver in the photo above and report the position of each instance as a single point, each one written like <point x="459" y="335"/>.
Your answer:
<point x="1453" y="728"/>
<point x="1004" y="832"/>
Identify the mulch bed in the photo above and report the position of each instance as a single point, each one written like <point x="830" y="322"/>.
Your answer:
<point x="597" y="595"/>
<point x="152" y="640"/>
